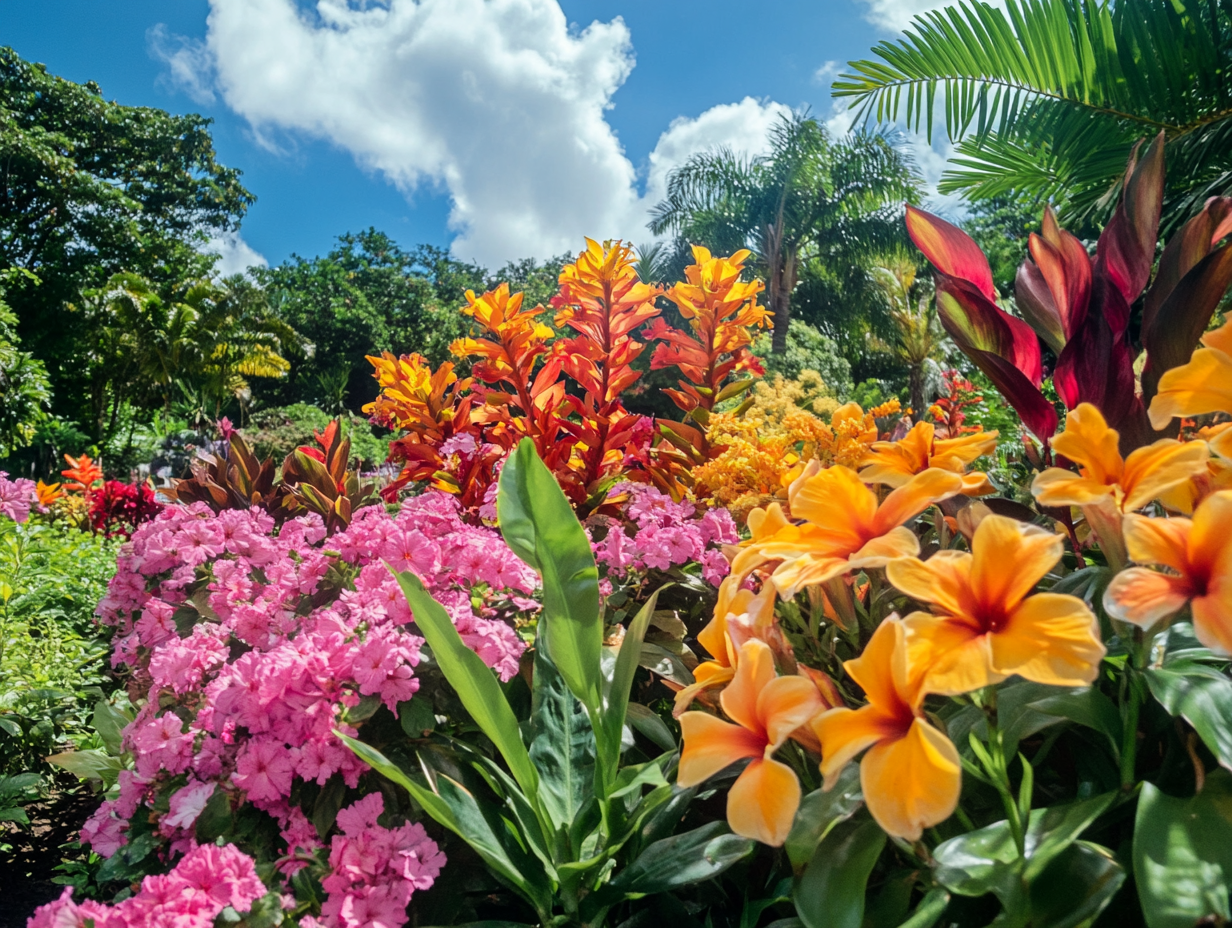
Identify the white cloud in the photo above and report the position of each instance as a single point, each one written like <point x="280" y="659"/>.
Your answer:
<point x="896" y="15"/>
<point x="827" y="71"/>
<point x="500" y="102"/>
<point x="235" y="256"/>
<point x="188" y="63"/>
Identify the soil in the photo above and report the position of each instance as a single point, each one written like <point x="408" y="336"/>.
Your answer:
<point x="26" y="872"/>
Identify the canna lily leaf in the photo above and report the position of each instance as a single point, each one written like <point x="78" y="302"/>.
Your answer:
<point x="1037" y="414"/>
<point x="1185" y="251"/>
<point x="951" y="250"/>
<point x="978" y="323"/>
<point x="1125" y="252"/>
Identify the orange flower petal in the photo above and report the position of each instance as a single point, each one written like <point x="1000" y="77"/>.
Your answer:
<point x="1194" y="389"/>
<point x="1008" y="558"/>
<point x="1212" y="613"/>
<point x="754" y="671"/>
<point x="765" y="522"/>
<point x="881" y="669"/>
<point x="1050" y="638"/>
<point x="1143" y="597"/>
<point x="785" y="704"/>
<point x="711" y="745"/>
<point x="1221" y="444"/>
<point x="762" y="803"/>
<point x="1059" y="487"/>
<point x="792" y="576"/>
<point x="844" y="733"/>
<point x="966" y="448"/>
<point x="705" y="677"/>
<point x="837" y="499"/>
<point x="913" y="782"/>
<point x="942" y="580"/>
<point x="948" y="656"/>
<point x="913" y="497"/>
<point x="1210" y="539"/>
<point x="977" y="483"/>
<point x="1159" y="467"/>
<point x="896" y="543"/>
<point x="1090" y="443"/>
<point x="1158" y="541"/>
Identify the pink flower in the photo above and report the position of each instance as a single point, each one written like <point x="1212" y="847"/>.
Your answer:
<point x="264" y="770"/>
<point x="17" y="497"/>
<point x="187" y="804"/>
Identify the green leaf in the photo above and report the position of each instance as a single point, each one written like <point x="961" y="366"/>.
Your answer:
<point x="88" y="765"/>
<point x="1075" y="887"/>
<point x="109" y="722"/>
<point x="416" y="716"/>
<point x="931" y="908"/>
<point x="14" y="814"/>
<point x="1203" y="697"/>
<point x="622" y="675"/>
<point x="1086" y="706"/>
<point x="681" y="860"/>
<point x="830" y="892"/>
<point x="329" y="800"/>
<point x="473" y="679"/>
<point x="563" y="744"/>
<point x="648" y="724"/>
<point x="1183" y="854"/>
<point x="538" y="523"/>
<point x="819" y="812"/>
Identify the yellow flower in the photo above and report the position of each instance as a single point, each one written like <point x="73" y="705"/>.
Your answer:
<point x="1201" y="386"/>
<point x="984" y="626"/>
<point x="893" y="463"/>
<point x="1198" y="555"/>
<point x="1104" y="476"/>
<point x="911" y="776"/>
<point x="845" y="528"/>
<point x="766" y="710"/>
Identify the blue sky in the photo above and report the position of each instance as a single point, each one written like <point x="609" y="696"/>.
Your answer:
<point x="500" y="116"/>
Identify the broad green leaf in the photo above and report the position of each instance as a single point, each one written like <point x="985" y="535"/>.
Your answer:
<point x="109" y="722"/>
<point x="830" y="892"/>
<point x="1183" y="854"/>
<point x="930" y="909"/>
<point x="88" y="765"/>
<point x="1203" y="697"/>
<point x="538" y="523"/>
<point x="647" y="723"/>
<point x="472" y="678"/>
<point x="1075" y="887"/>
<point x="562" y="748"/>
<point x="1086" y="706"/>
<point x="681" y="860"/>
<point x="14" y="814"/>
<point x="819" y="812"/>
<point x="617" y="702"/>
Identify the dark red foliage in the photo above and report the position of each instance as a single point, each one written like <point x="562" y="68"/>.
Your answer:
<point x="118" y="508"/>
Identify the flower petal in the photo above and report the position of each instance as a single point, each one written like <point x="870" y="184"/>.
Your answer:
<point x="844" y="733"/>
<point x="1159" y="467"/>
<point x="707" y="675"/>
<point x="913" y="497"/>
<point x="792" y="576"/>
<point x="836" y="500"/>
<point x="1143" y="597"/>
<point x="711" y="745"/>
<point x="1210" y="540"/>
<point x="1059" y="487"/>
<point x="785" y="704"/>
<point x="880" y="669"/>
<point x="762" y="803"/>
<point x="1090" y="443"/>
<point x="896" y="543"/>
<point x="1212" y="614"/>
<point x="754" y="671"/>
<point x="942" y="580"/>
<point x="948" y="656"/>
<point x="1158" y="541"/>
<point x="1008" y="558"/>
<point x="1051" y="638"/>
<point x="913" y="782"/>
<point x="1194" y="389"/>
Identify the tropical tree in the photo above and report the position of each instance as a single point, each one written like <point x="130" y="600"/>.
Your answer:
<point x="917" y="333"/>
<point x="809" y="197"/>
<point x="1049" y="97"/>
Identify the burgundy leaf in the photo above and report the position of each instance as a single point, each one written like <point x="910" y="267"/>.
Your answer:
<point x="1126" y="249"/>
<point x="951" y="250"/>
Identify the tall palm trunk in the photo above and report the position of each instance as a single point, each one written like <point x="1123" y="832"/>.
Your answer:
<point x="781" y="270"/>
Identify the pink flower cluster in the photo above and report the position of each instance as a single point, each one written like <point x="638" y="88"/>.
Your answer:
<point x="207" y="880"/>
<point x="17" y="497"/>
<point x="665" y="534"/>
<point x="375" y="869"/>
<point x="248" y="648"/>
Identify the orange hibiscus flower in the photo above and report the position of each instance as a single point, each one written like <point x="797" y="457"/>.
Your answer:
<point x="911" y="775"/>
<point x="1198" y="553"/>
<point x="1201" y="386"/>
<point x="893" y="463"/>
<point x="766" y="710"/>
<point x="985" y="627"/>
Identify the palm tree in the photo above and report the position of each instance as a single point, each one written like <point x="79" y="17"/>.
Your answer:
<point x="1048" y="97"/>
<point x="917" y="333"/>
<point x="809" y="196"/>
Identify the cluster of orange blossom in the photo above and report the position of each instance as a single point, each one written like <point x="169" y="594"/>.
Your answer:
<point x="562" y="386"/>
<point x="975" y="612"/>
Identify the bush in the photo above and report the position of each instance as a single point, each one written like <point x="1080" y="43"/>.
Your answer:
<point x="807" y="349"/>
<point x="278" y="431"/>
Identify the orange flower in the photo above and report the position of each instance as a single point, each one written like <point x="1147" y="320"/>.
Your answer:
<point x="1128" y="483"/>
<point x="845" y="529"/>
<point x="893" y="463"/>
<point x="986" y="627"/>
<point x="82" y="473"/>
<point x="911" y="775"/>
<point x="766" y="711"/>
<point x="48" y="493"/>
<point x="1199" y="554"/>
<point x="1201" y="386"/>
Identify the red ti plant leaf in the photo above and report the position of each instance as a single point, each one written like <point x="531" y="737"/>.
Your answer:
<point x="1126" y="249"/>
<point x="1193" y="277"/>
<point x="951" y="250"/>
<point x="1037" y="413"/>
<point x="1053" y="289"/>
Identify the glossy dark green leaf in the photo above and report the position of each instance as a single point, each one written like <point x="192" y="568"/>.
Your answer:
<point x="540" y="526"/>
<point x="617" y="697"/>
<point x="930" y="909"/>
<point x="1075" y="887"/>
<point x="562" y="746"/>
<point x="328" y="802"/>
<point x="819" y="812"/>
<point x="1202" y="696"/>
<point x="1086" y="706"/>
<point x="472" y="679"/>
<point x="648" y="724"/>
<point x="830" y="891"/>
<point x="109" y="722"/>
<point x="416" y="716"/>
<point x="1183" y="854"/>
<point x="681" y="860"/>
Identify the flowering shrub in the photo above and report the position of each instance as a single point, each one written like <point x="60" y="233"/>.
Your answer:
<point x="117" y="508"/>
<point x="17" y="497"/>
<point x="249" y="647"/>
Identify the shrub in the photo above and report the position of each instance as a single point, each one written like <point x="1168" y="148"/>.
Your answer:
<point x="277" y="432"/>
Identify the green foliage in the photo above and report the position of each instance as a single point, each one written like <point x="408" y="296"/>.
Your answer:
<point x="52" y="658"/>
<point x="807" y="349"/>
<point x="1047" y="97"/>
<point x="572" y="828"/>
<point x="275" y="433"/>
<point x="24" y="388"/>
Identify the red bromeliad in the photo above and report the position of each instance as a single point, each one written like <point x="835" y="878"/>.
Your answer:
<point x="1083" y="308"/>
